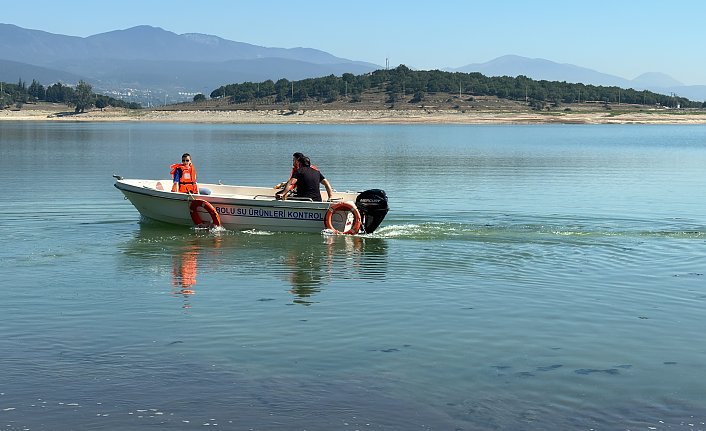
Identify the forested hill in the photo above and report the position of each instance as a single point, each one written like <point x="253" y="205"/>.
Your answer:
<point x="400" y="88"/>
<point x="81" y="96"/>
<point x="414" y="86"/>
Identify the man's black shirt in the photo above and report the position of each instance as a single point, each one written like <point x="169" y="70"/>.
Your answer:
<point x="308" y="180"/>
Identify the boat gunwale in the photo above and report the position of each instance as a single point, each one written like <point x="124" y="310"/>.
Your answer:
<point x="224" y="200"/>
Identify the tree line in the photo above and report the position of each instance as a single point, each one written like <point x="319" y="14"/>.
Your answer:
<point x="80" y="97"/>
<point x="416" y="84"/>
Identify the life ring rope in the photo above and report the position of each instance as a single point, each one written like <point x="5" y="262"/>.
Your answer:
<point x="197" y="204"/>
<point x="343" y="206"/>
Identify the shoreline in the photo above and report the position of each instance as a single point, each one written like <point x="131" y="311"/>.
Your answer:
<point x="388" y="116"/>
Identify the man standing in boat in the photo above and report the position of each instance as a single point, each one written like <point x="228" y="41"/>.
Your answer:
<point x="306" y="179"/>
<point x="184" y="175"/>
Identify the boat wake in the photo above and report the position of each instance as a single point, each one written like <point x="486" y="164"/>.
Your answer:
<point x="535" y="232"/>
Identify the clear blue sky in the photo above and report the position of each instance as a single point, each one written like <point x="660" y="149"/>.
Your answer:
<point x="620" y="37"/>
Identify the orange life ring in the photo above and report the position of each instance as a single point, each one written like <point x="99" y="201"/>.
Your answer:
<point x="343" y="206"/>
<point x="198" y="221"/>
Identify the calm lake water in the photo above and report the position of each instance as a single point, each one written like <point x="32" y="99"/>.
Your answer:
<point x="526" y="278"/>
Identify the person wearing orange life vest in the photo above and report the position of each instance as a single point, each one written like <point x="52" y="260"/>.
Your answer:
<point x="184" y="175"/>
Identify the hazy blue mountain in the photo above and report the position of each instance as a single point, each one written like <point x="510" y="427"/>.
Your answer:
<point x="657" y="79"/>
<point x="143" y="43"/>
<point x="541" y="69"/>
<point x="151" y="58"/>
<point x="28" y="72"/>
<point x="202" y="76"/>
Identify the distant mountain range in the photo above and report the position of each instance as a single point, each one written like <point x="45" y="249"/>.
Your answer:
<point x="151" y="65"/>
<point x="148" y="59"/>
<point x="541" y="69"/>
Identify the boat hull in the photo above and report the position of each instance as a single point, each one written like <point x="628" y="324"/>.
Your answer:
<point x="239" y="208"/>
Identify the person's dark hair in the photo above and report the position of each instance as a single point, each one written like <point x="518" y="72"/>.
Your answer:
<point x="298" y="155"/>
<point x="304" y="161"/>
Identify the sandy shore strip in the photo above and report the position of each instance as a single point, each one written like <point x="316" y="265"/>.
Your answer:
<point x="391" y="116"/>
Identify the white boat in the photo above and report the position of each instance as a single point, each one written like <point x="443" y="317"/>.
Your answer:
<point x="243" y="208"/>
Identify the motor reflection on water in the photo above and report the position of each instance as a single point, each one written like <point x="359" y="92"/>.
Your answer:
<point x="340" y="257"/>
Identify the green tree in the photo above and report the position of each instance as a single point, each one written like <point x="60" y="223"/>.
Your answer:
<point x="36" y="90"/>
<point x="199" y="98"/>
<point x="101" y="102"/>
<point x="282" y="90"/>
<point x="83" y="97"/>
<point x="58" y="93"/>
<point x="266" y="89"/>
<point x="418" y="97"/>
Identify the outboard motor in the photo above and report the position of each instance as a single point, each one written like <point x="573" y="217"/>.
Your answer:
<point x="372" y="205"/>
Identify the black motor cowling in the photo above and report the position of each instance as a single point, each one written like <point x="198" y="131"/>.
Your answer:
<point x="372" y="205"/>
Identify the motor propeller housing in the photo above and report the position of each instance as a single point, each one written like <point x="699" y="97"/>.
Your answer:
<point x="373" y="207"/>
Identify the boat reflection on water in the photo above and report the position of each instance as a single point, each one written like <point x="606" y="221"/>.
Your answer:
<point x="341" y="257"/>
<point x="196" y="260"/>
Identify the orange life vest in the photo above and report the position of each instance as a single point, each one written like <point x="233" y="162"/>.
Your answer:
<point x="187" y="181"/>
